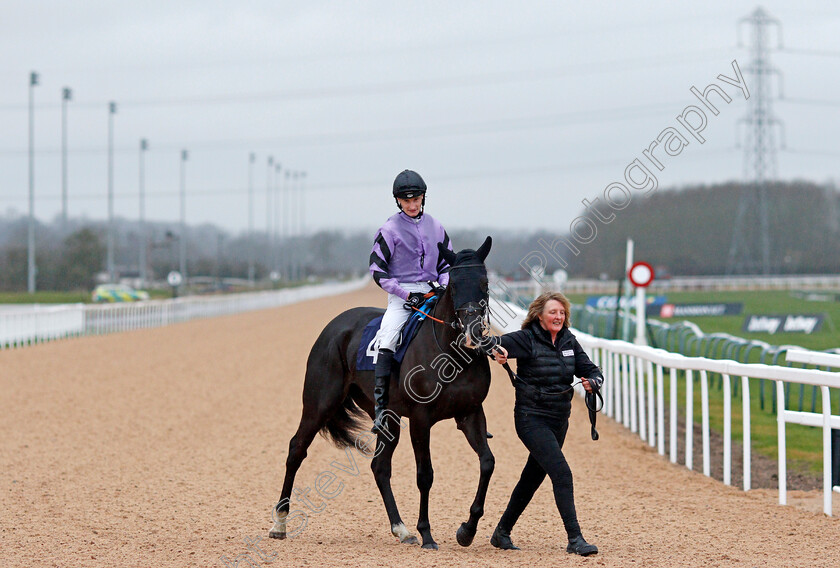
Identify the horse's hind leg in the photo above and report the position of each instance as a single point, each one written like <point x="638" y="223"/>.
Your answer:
<point x="381" y="466"/>
<point x="298" y="445"/>
<point x="317" y="409"/>
<point x="474" y="427"/>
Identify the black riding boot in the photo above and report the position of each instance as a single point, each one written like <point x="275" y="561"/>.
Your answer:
<point x="577" y="545"/>
<point x="501" y="539"/>
<point x="382" y="376"/>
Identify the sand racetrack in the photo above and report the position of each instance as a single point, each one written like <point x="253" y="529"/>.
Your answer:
<point x="166" y="447"/>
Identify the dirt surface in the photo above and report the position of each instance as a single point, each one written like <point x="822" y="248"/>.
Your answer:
<point x="764" y="470"/>
<point x="166" y="447"/>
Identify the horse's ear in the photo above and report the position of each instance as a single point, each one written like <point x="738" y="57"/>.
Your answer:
<point x="446" y="254"/>
<point x="484" y="249"/>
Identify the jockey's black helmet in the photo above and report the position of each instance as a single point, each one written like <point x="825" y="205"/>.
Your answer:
<point x="409" y="184"/>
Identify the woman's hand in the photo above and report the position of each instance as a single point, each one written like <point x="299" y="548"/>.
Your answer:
<point x="587" y="385"/>
<point x="500" y="353"/>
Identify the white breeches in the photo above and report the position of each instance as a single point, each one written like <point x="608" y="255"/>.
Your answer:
<point x="395" y="316"/>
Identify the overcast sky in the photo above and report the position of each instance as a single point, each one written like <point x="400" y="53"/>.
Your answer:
<point x="512" y="115"/>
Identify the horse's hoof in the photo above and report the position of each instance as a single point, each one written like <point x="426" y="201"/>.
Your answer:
<point x="403" y="534"/>
<point x="275" y="534"/>
<point x="464" y="536"/>
<point x="431" y="546"/>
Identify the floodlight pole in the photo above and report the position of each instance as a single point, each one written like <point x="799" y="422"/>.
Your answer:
<point x="268" y="211"/>
<point x="295" y="205"/>
<point x="112" y="273"/>
<point x="275" y="234"/>
<point x="251" y="261"/>
<point x="144" y="145"/>
<point x="183" y="241"/>
<point x="33" y="81"/>
<point x="287" y="225"/>
<point x="302" y="205"/>
<point x="66" y="96"/>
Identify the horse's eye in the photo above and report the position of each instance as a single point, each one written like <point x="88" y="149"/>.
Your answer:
<point x="483" y="283"/>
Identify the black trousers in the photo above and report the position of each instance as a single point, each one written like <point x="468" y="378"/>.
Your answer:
<point x="544" y="437"/>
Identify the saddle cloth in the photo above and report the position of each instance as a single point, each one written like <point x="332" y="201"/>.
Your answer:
<point x="365" y="357"/>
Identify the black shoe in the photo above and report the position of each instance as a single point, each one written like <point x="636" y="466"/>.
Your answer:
<point x="579" y="546"/>
<point x="489" y="435"/>
<point x="501" y="539"/>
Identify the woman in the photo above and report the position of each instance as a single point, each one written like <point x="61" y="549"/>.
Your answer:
<point x="403" y="262"/>
<point x="548" y="358"/>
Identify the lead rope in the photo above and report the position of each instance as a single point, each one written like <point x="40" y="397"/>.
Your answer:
<point x="590" y="398"/>
<point x="591" y="401"/>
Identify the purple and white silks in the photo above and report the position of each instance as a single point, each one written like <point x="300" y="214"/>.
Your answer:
<point x="405" y="250"/>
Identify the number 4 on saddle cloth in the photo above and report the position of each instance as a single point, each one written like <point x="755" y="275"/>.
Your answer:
<point x="367" y="350"/>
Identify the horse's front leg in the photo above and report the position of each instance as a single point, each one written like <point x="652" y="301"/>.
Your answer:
<point x="420" y="430"/>
<point x="474" y="427"/>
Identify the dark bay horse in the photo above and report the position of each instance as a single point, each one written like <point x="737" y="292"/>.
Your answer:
<point x="442" y="376"/>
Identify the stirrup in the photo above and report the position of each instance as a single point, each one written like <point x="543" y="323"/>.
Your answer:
<point x="378" y="426"/>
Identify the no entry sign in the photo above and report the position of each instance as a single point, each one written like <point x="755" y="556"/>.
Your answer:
<point x="640" y="274"/>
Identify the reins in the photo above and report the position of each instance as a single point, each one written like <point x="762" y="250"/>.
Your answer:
<point x="431" y="317"/>
<point x="453" y="325"/>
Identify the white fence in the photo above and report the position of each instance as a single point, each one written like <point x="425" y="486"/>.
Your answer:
<point x="688" y="283"/>
<point x="36" y="324"/>
<point x="24" y="325"/>
<point x="634" y="395"/>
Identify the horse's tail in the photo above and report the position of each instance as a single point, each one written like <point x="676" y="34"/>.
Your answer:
<point x="343" y="427"/>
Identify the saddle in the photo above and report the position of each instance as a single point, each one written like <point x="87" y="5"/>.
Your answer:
<point x="367" y="348"/>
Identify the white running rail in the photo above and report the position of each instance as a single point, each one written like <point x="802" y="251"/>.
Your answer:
<point x="634" y="395"/>
<point x="826" y="283"/>
<point x="40" y="323"/>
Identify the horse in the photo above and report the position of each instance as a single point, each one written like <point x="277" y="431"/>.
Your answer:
<point x="443" y="375"/>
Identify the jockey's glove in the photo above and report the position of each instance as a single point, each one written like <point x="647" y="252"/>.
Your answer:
<point x="415" y="300"/>
<point x="437" y="288"/>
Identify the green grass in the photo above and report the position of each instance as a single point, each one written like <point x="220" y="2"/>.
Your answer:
<point x="76" y="297"/>
<point x="766" y="302"/>
<point x="84" y="296"/>
<point x="45" y="297"/>
<point x="758" y="302"/>
<point x="804" y="443"/>
<point x="164" y="294"/>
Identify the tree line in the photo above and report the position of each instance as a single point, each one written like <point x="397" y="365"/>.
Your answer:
<point x="689" y="231"/>
<point x="684" y="231"/>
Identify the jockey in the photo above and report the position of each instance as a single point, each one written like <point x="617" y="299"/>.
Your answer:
<point x="404" y="262"/>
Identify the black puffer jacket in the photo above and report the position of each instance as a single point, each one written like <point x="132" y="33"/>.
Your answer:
<point x="546" y="370"/>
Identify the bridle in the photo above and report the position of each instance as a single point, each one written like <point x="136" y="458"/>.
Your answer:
<point x="456" y="325"/>
<point x="460" y="313"/>
<point x="470" y="310"/>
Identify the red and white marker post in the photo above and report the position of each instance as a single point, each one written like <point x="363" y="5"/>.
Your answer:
<point x="640" y="275"/>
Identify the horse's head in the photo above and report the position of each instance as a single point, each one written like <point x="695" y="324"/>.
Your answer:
<point x="469" y="286"/>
